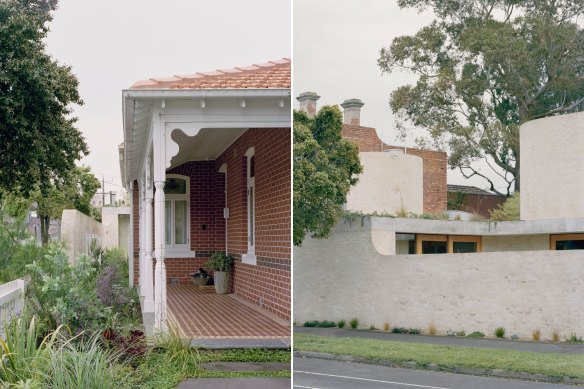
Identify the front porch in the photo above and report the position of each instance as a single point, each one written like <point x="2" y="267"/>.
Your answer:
<point x="223" y="320"/>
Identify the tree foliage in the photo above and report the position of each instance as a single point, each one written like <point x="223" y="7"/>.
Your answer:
<point x="485" y="67"/>
<point x="325" y="167"/>
<point x="74" y="191"/>
<point x="509" y="210"/>
<point x="40" y="142"/>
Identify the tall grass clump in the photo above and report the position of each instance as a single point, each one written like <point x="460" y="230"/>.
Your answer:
<point x="354" y="323"/>
<point x="82" y="363"/>
<point x="536" y="335"/>
<point x="177" y="350"/>
<point x="500" y="332"/>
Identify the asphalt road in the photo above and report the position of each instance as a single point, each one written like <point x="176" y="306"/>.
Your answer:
<point x="312" y="373"/>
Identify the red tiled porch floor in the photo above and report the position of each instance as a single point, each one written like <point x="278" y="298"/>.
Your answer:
<point x="201" y="313"/>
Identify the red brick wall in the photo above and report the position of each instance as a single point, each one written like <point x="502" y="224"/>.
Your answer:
<point x="434" y="164"/>
<point x="478" y="204"/>
<point x="268" y="283"/>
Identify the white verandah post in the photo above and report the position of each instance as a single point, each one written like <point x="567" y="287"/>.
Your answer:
<point x="141" y="223"/>
<point x="159" y="145"/>
<point x="148" y="276"/>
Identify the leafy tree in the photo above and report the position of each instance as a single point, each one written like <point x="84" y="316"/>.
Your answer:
<point x="75" y="191"/>
<point x="325" y="167"/>
<point x="485" y="67"/>
<point x="40" y="142"/>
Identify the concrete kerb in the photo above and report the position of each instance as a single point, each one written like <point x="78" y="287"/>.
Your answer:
<point x="498" y="373"/>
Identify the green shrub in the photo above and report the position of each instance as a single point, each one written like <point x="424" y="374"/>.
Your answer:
<point x="219" y="261"/>
<point x="575" y="339"/>
<point x="372" y="328"/>
<point x="460" y="333"/>
<point x="476" y="334"/>
<point x="177" y="350"/>
<point x="322" y="324"/>
<point x="341" y="323"/>
<point x="354" y="322"/>
<point x="509" y="210"/>
<point x="404" y="330"/>
<point x="118" y="258"/>
<point x="500" y="332"/>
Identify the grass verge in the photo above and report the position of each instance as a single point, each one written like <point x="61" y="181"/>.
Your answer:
<point x="156" y="371"/>
<point x="448" y="357"/>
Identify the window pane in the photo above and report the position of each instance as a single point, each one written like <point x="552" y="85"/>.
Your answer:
<point x="464" y="247"/>
<point x="168" y="217"/>
<point x="570" y="245"/>
<point x="180" y="221"/>
<point x="175" y="186"/>
<point x="431" y="247"/>
<point x="250" y="205"/>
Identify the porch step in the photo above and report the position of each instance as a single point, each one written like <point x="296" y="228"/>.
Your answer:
<point x="227" y="343"/>
<point x="245" y="366"/>
<point x="239" y="383"/>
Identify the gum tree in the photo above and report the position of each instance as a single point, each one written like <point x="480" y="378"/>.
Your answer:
<point x="484" y="68"/>
<point x="325" y="167"/>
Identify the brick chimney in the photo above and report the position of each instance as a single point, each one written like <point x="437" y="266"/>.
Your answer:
<point x="352" y="111"/>
<point x="307" y="102"/>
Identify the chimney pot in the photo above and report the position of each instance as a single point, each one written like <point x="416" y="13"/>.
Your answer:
<point x="307" y="102"/>
<point x="352" y="111"/>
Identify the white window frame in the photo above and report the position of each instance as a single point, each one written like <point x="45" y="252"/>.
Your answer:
<point x="250" y="257"/>
<point x="181" y="250"/>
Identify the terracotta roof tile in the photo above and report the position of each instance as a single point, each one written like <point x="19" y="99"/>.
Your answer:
<point x="272" y="74"/>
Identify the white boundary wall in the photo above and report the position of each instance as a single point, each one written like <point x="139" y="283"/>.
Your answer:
<point x="77" y="232"/>
<point x="11" y="301"/>
<point x="346" y="276"/>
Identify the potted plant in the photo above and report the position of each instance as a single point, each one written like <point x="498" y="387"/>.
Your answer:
<point x="200" y="278"/>
<point x="221" y="265"/>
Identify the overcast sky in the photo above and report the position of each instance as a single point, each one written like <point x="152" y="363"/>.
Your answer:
<point x="112" y="43"/>
<point x="336" y="47"/>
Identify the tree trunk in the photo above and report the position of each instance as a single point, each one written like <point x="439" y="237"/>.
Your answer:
<point x="45" y="223"/>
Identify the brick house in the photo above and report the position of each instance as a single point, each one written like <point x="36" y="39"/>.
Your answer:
<point x="434" y="163"/>
<point x="207" y="160"/>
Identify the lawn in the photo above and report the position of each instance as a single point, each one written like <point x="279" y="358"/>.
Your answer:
<point x="550" y="364"/>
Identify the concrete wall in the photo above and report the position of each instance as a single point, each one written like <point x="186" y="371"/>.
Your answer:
<point x="346" y="276"/>
<point x="388" y="182"/>
<point x="77" y="232"/>
<point x="552" y="167"/>
<point x="516" y="243"/>
<point x="113" y="229"/>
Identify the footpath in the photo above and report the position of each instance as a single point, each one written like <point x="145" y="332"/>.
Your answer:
<point x="556" y="351"/>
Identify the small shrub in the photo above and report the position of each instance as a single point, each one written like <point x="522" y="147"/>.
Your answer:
<point x="500" y="332"/>
<point x="327" y="324"/>
<point x="509" y="210"/>
<point x="311" y="323"/>
<point x="450" y="333"/>
<point x="354" y="323"/>
<point x="575" y="339"/>
<point x="536" y="335"/>
<point x="401" y="213"/>
<point x="177" y="350"/>
<point x="432" y="329"/>
<point x="341" y="323"/>
<point x="372" y="328"/>
<point x="386" y="326"/>
<point x="461" y="333"/>
<point x="555" y="335"/>
<point x="514" y="337"/>
<point x="219" y="261"/>
<point x="476" y="334"/>
<point x="404" y="330"/>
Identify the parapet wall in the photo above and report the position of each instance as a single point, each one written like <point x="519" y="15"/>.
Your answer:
<point x="346" y="276"/>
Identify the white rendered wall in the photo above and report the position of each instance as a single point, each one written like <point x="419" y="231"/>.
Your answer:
<point x="110" y="218"/>
<point x="77" y="232"/>
<point x="345" y="277"/>
<point x="552" y="167"/>
<point x="388" y="181"/>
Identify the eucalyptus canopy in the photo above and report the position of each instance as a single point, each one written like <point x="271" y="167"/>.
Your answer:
<point x="485" y="67"/>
